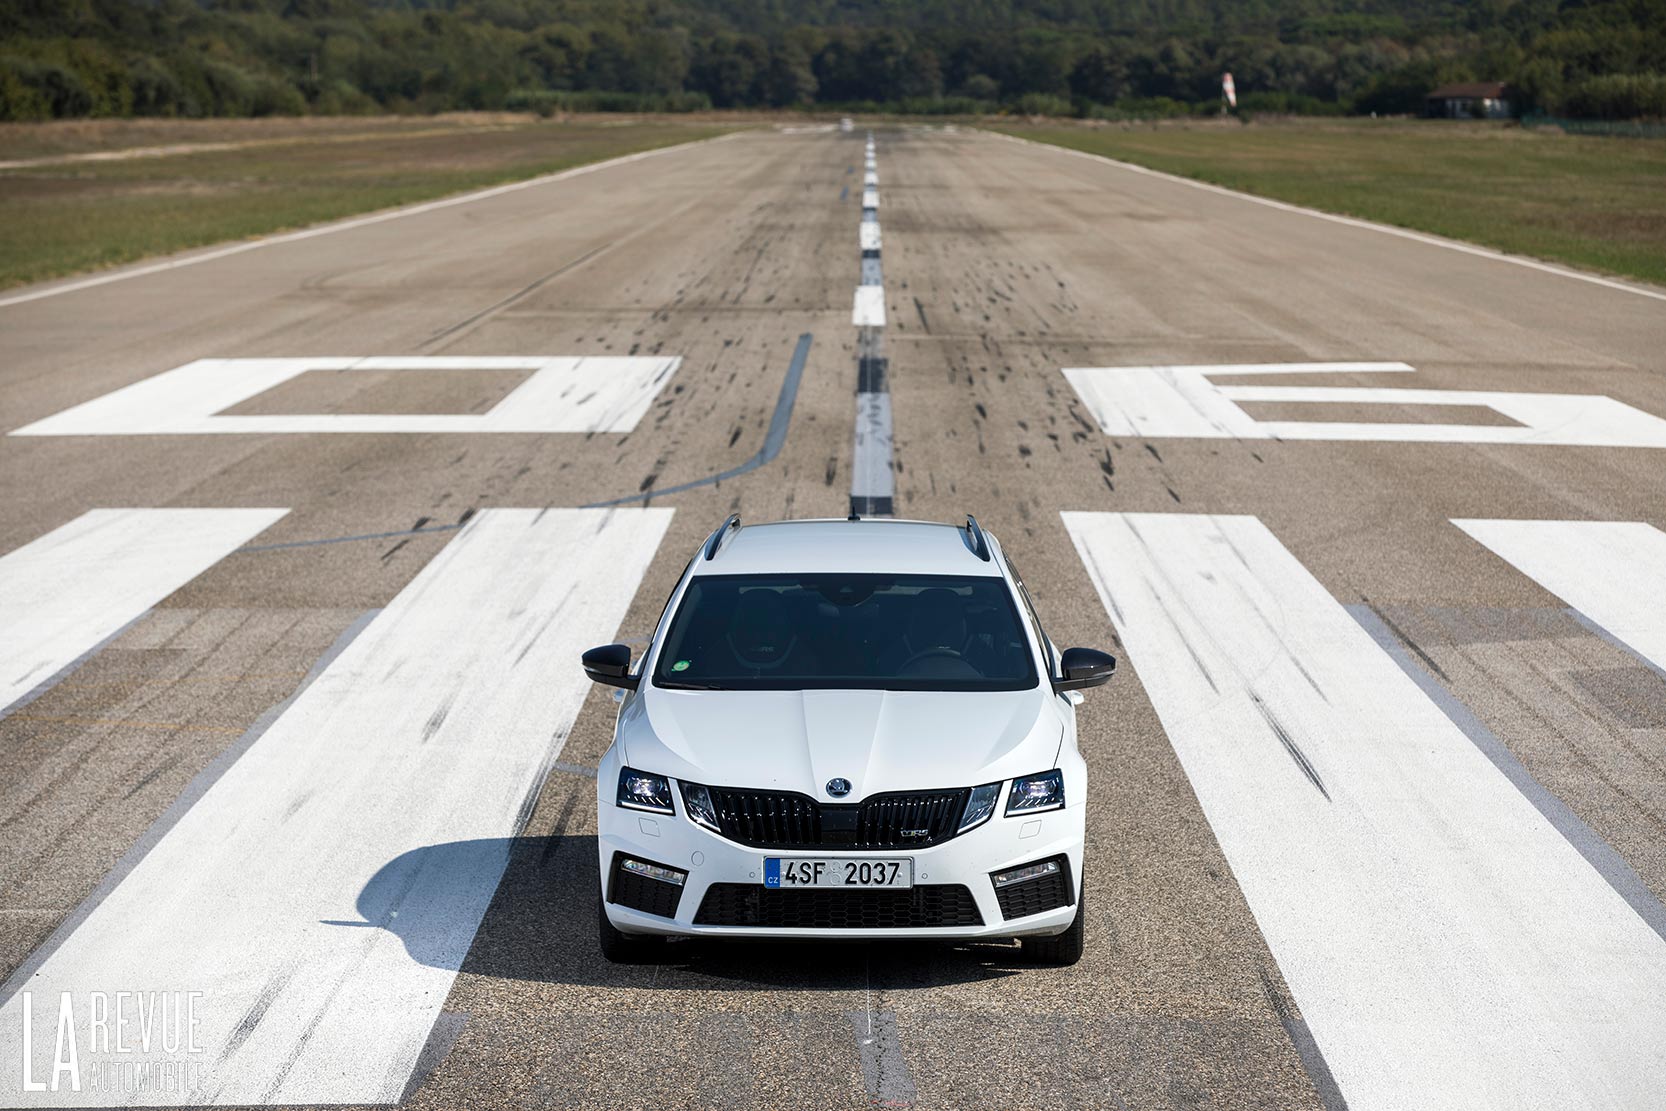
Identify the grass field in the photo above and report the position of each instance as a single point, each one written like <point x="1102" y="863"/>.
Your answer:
<point x="219" y="180"/>
<point x="1598" y="203"/>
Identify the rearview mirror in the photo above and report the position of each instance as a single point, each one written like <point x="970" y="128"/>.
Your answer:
<point x="610" y="664"/>
<point x="1082" y="668"/>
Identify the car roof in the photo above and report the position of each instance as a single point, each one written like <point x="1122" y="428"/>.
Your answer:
<point x="886" y="547"/>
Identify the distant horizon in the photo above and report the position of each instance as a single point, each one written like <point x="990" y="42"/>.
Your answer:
<point x="1100" y="58"/>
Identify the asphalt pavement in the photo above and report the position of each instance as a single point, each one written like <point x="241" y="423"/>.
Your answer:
<point x="1378" y="810"/>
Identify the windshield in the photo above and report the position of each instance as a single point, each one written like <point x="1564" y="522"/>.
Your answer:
<point x="846" y="632"/>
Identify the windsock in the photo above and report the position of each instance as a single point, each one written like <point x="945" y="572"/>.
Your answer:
<point x="1228" y="90"/>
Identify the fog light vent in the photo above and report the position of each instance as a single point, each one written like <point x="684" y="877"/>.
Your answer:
<point x="1034" y="888"/>
<point x="645" y="886"/>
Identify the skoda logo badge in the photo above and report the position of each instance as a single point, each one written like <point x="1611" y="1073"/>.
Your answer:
<point x="838" y="788"/>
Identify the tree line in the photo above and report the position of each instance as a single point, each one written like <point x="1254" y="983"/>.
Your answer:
<point x="1108" y="58"/>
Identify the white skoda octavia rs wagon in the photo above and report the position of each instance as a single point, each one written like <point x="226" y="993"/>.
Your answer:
<point x="845" y="729"/>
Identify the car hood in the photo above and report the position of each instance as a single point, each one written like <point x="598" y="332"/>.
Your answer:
<point x="878" y="740"/>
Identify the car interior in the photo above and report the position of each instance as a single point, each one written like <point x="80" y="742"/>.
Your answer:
<point x="849" y="630"/>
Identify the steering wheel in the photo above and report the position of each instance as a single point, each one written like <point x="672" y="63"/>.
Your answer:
<point x="935" y="654"/>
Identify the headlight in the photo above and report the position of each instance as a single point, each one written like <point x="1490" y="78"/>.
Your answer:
<point x="643" y="791"/>
<point x="1034" y="793"/>
<point x="697" y="804"/>
<point x="980" y="806"/>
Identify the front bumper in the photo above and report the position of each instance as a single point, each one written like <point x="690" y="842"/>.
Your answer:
<point x="708" y="859"/>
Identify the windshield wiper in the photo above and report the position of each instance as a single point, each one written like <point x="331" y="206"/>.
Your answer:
<point x="693" y="686"/>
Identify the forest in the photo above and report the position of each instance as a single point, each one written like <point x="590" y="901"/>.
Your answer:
<point x="1602" y="59"/>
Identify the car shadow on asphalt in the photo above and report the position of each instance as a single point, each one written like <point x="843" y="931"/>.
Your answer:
<point x="540" y="925"/>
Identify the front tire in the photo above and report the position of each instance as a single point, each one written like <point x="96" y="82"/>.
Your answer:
<point x="1061" y="949"/>
<point x="619" y="947"/>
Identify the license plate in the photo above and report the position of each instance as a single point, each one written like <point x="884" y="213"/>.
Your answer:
<point x="836" y="872"/>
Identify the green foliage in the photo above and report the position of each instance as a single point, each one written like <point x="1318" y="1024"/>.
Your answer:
<point x="1619" y="96"/>
<point x="1082" y="57"/>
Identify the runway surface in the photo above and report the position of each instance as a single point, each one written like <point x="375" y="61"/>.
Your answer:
<point x="301" y="543"/>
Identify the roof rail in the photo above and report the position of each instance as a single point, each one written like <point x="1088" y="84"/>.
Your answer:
<point x="980" y="546"/>
<point x="715" y="540"/>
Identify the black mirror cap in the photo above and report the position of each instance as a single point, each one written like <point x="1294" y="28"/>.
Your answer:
<point x="610" y="664"/>
<point x="1083" y="668"/>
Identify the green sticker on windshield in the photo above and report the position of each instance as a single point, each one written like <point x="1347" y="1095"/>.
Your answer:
<point x="680" y="665"/>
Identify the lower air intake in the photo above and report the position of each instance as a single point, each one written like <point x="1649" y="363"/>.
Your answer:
<point x="1037" y="896"/>
<point x="638" y="892"/>
<point x="917" y="908"/>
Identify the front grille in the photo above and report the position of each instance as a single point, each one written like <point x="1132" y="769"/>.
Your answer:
<point x="651" y="896"/>
<point x="916" y="908"/>
<point x="1041" y="894"/>
<point x="787" y="820"/>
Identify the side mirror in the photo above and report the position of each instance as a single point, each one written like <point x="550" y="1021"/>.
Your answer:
<point x="610" y="664"/>
<point x="1083" y="668"/>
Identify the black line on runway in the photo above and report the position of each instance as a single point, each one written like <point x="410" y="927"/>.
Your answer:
<point x="1428" y="660"/>
<point x="1603" y="634"/>
<point x="774" y="440"/>
<point x="870" y="373"/>
<point x="345" y="539"/>
<point x="1289" y="743"/>
<point x="194" y="790"/>
<point x="445" y="333"/>
<point x="64" y="672"/>
<point x="1313" y="1061"/>
<point x="1602" y="856"/>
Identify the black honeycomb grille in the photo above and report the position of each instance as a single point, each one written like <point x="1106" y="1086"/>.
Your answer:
<point x="788" y="820"/>
<point x="917" y="908"/>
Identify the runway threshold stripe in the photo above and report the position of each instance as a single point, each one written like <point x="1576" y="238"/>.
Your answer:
<point x="1185" y="401"/>
<point x="1447" y="946"/>
<point x="1612" y="572"/>
<point x="324" y="891"/>
<point x="67" y="592"/>
<point x="560" y="394"/>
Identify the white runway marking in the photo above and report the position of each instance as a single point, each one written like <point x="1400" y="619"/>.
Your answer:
<point x="1448" y="948"/>
<point x="868" y="310"/>
<point x="324" y="891"/>
<point x="872" y="478"/>
<point x="872" y="482"/>
<point x="1181" y="401"/>
<point x="67" y="592"/>
<point x="1613" y="572"/>
<point x="590" y="394"/>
